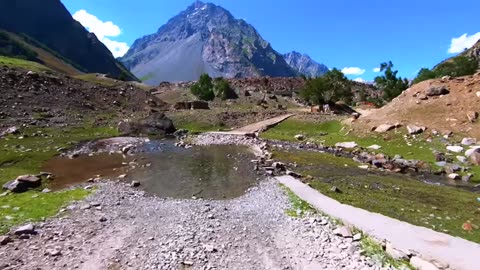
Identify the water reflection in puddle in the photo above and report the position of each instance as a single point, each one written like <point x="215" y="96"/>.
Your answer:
<point x="210" y="172"/>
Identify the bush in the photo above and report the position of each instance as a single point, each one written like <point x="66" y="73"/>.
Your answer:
<point x="328" y="89"/>
<point x="455" y="67"/>
<point x="203" y="89"/>
<point x="223" y="90"/>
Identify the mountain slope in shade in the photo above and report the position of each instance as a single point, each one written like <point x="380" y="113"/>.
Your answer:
<point x="204" y="38"/>
<point x="305" y="65"/>
<point x="50" y="24"/>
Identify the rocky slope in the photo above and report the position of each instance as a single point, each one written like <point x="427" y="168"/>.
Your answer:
<point x="449" y="104"/>
<point x="48" y="23"/>
<point x="474" y="51"/>
<point x="305" y="65"/>
<point x="39" y="99"/>
<point x="204" y="38"/>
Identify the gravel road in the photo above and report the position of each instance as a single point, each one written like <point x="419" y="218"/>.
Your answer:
<point x="119" y="227"/>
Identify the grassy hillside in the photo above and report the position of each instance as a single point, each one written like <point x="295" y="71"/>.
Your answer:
<point x="24" y="47"/>
<point x="20" y="63"/>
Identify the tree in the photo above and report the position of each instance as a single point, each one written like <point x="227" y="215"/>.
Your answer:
<point x="123" y="76"/>
<point x="389" y="83"/>
<point x="223" y="90"/>
<point x="203" y="89"/>
<point x="424" y="74"/>
<point x="330" y="88"/>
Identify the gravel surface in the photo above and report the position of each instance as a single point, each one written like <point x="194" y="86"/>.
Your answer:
<point x="119" y="227"/>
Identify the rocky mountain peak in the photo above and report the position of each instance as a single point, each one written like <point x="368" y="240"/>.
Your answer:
<point x="304" y="64"/>
<point x="204" y="38"/>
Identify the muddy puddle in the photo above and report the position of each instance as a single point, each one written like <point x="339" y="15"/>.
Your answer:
<point x="210" y="172"/>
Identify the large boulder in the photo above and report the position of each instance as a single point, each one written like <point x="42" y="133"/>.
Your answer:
<point x="23" y="183"/>
<point x="155" y="124"/>
<point x="437" y="91"/>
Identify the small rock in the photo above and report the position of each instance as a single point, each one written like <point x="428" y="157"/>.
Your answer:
<point x="187" y="263"/>
<point x="421" y="264"/>
<point x="437" y="91"/>
<point x="343" y="231"/>
<point x="374" y="147"/>
<point x="135" y="184"/>
<point x="469" y="141"/>
<point x="54" y="252"/>
<point x="454" y="176"/>
<point x="466" y="178"/>
<point x="364" y="167"/>
<point x="335" y="189"/>
<point x="456" y="149"/>
<point x="395" y="253"/>
<point x="25" y="229"/>
<point x="384" y="128"/>
<point x="472" y="117"/>
<point x="46" y="190"/>
<point x="103" y="219"/>
<point x="5" y="240"/>
<point x="347" y="145"/>
<point x="95" y="204"/>
<point x="412" y="129"/>
<point x="210" y="248"/>
<point x="122" y="176"/>
<point x="475" y="157"/>
<point x="357" y="237"/>
<point x="88" y="187"/>
<point x="462" y="159"/>
<point x="299" y="137"/>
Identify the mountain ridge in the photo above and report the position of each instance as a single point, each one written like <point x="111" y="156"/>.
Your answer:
<point x="204" y="38"/>
<point x="48" y="22"/>
<point x="305" y="65"/>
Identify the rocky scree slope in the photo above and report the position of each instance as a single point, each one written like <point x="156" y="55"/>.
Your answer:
<point x="204" y="38"/>
<point x="40" y="99"/>
<point x="474" y="51"/>
<point x="305" y="65"/>
<point x="50" y="24"/>
<point x="448" y="104"/>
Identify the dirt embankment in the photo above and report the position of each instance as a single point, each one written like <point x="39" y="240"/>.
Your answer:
<point x="40" y="99"/>
<point x="448" y="104"/>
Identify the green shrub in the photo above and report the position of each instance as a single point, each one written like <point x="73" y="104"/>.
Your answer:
<point x="203" y="89"/>
<point x="330" y="88"/>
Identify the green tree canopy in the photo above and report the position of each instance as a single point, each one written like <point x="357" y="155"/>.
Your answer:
<point x="203" y="89"/>
<point x="330" y="88"/>
<point x="223" y="90"/>
<point x="389" y="83"/>
<point x="455" y="67"/>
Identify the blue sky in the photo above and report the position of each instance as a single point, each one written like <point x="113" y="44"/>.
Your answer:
<point x="352" y="35"/>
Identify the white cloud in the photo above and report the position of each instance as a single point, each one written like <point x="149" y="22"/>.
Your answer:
<point x="360" y="80"/>
<point x="353" y="71"/>
<point x="376" y="70"/>
<point x="463" y="42"/>
<point x="102" y="30"/>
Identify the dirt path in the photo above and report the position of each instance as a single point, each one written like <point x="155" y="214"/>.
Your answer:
<point x="256" y="127"/>
<point x="129" y="230"/>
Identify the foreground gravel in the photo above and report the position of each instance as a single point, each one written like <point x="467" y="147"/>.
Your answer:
<point x="119" y="227"/>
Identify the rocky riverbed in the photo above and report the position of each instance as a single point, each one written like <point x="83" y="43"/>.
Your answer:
<point x="119" y="227"/>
